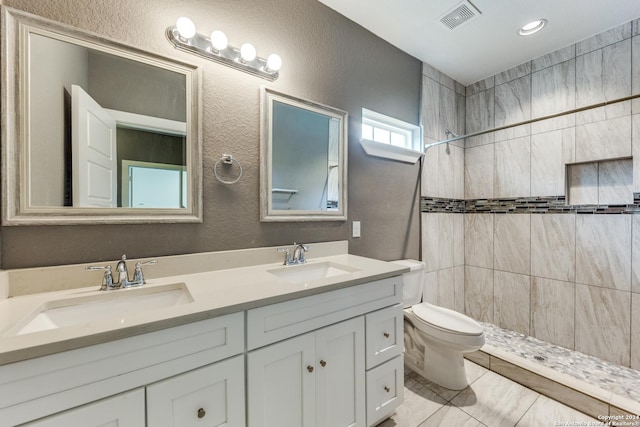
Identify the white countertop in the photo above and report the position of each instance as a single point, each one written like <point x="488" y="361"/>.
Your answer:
<point x="214" y="293"/>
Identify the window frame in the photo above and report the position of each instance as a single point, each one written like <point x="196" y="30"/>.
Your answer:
<point x="409" y="153"/>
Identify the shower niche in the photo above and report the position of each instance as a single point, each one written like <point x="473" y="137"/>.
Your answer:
<point x="605" y="182"/>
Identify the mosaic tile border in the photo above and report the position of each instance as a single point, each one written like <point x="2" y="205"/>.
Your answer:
<point x="523" y="205"/>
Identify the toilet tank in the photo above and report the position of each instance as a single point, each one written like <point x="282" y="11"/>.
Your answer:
<point x="412" y="281"/>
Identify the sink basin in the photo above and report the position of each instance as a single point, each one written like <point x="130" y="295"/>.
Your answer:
<point x="118" y="304"/>
<point x="308" y="272"/>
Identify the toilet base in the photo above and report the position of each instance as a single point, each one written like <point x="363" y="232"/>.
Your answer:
<point x="437" y="363"/>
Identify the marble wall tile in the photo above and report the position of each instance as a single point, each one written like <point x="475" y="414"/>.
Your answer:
<point x="548" y="125"/>
<point x="635" y="331"/>
<point x="553" y="311"/>
<point x="430" y="71"/>
<point x="553" y="89"/>
<point x="513" y="168"/>
<point x="608" y="139"/>
<point x="458" y="304"/>
<point x="451" y="171"/>
<point x="635" y="70"/>
<point x="553" y="58"/>
<point x="448" y="113"/>
<point x="603" y="323"/>
<point x="430" y="183"/>
<point x="516" y="72"/>
<point x="480" y="86"/>
<point x="431" y="241"/>
<point x="451" y="239"/>
<point x="513" y="101"/>
<point x="478" y="240"/>
<point x="512" y="243"/>
<point x="615" y="182"/>
<point x="479" y="115"/>
<point x="512" y="301"/>
<point x="461" y="89"/>
<point x="635" y="152"/>
<point x="550" y="152"/>
<point x="430" y="287"/>
<point x="447" y="81"/>
<point x="478" y="293"/>
<point x="446" y="288"/>
<point x="603" y="39"/>
<point x="635" y="255"/>
<point x="553" y="246"/>
<point x="583" y="184"/>
<point x="604" y="74"/>
<point x="512" y="132"/>
<point x="431" y="109"/>
<point x="478" y="168"/>
<point x="603" y="251"/>
<point x="608" y="112"/>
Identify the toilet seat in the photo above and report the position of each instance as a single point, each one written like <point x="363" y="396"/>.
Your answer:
<point x="446" y="320"/>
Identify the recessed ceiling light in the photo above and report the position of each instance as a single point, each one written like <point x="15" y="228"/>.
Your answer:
<point x="532" y="27"/>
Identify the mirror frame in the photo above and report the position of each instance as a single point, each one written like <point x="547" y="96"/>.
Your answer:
<point x="267" y="213"/>
<point x="16" y="28"/>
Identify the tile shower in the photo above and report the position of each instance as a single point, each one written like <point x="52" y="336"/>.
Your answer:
<point x="536" y="228"/>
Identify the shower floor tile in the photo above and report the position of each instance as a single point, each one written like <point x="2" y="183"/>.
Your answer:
<point x="619" y="380"/>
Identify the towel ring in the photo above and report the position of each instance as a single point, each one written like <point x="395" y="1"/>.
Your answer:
<point x="227" y="159"/>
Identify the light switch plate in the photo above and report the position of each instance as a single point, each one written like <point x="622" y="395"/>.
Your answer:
<point x="356" y="229"/>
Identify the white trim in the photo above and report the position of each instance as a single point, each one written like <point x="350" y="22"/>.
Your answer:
<point x="148" y="123"/>
<point x="392" y="152"/>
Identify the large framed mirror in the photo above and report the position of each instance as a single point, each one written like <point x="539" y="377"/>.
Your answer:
<point x="95" y="131"/>
<point x="303" y="155"/>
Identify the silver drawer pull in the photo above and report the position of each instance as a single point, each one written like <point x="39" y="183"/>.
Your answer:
<point x="201" y="413"/>
<point x="387" y="389"/>
<point x="386" y="334"/>
<point x="309" y="368"/>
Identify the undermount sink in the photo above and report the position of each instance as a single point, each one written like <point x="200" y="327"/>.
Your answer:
<point x="118" y="304"/>
<point x="308" y="272"/>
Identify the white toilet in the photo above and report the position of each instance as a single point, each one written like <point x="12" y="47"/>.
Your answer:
<point x="435" y="338"/>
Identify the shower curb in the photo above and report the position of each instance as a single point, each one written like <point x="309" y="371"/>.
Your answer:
<point x="561" y="387"/>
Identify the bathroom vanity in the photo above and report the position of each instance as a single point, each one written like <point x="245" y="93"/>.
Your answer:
<point x="317" y="344"/>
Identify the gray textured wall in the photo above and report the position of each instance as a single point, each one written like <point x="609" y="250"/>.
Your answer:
<point x="327" y="58"/>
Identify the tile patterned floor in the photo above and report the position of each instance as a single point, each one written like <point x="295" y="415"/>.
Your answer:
<point x="490" y="400"/>
<point x="608" y="376"/>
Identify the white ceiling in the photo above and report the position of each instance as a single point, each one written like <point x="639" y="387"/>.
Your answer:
<point x="489" y="43"/>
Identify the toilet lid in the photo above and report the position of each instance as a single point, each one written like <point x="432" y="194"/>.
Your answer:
<point x="446" y="319"/>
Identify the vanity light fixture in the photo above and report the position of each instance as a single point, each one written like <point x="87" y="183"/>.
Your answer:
<point x="532" y="27"/>
<point x="184" y="36"/>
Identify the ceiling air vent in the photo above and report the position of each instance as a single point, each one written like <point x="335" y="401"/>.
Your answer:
<point x="460" y="14"/>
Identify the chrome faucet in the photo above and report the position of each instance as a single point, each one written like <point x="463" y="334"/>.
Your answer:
<point x="297" y="257"/>
<point x="123" y="275"/>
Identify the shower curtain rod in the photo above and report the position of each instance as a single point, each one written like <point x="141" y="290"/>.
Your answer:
<point x="552" y="116"/>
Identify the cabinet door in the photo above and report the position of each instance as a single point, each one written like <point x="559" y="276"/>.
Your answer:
<point x="211" y="396"/>
<point x="123" y="410"/>
<point x="281" y="381"/>
<point x="340" y="379"/>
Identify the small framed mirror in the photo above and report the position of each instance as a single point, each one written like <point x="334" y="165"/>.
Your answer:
<point x="303" y="153"/>
<point x="95" y="131"/>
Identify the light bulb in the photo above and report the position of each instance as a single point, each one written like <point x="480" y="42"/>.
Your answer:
<point x="247" y="52"/>
<point x="274" y="62"/>
<point x="186" y="27"/>
<point x="219" y="40"/>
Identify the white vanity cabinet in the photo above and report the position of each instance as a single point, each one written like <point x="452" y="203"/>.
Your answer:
<point x="316" y="379"/>
<point x="80" y="384"/>
<point x="303" y="373"/>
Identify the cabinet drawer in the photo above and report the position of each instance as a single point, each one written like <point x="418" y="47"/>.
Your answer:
<point x="124" y="410"/>
<point x="276" y="322"/>
<point x="385" y="389"/>
<point x="384" y="335"/>
<point x="213" y="395"/>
